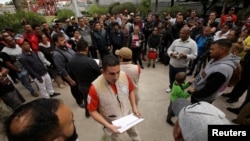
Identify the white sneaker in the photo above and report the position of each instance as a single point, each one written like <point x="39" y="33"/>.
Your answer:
<point x="168" y="90"/>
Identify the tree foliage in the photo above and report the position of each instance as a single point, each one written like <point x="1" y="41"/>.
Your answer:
<point x="64" y="14"/>
<point x="121" y="7"/>
<point x="97" y="9"/>
<point x="112" y="5"/>
<point x="14" y="20"/>
<point x="145" y="5"/>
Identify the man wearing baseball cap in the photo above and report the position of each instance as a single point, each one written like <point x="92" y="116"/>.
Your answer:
<point x="196" y="117"/>
<point x="132" y="70"/>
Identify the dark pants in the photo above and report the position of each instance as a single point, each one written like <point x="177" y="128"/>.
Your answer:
<point x="170" y="112"/>
<point x="172" y="72"/>
<point x="85" y="91"/>
<point x="115" y="48"/>
<point x="243" y="84"/>
<point x="92" y="52"/>
<point x="75" y="92"/>
<point x="136" y="55"/>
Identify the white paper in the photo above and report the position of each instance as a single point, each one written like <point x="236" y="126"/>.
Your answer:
<point x="127" y="122"/>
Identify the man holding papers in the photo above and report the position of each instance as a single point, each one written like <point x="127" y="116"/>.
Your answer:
<point x="111" y="97"/>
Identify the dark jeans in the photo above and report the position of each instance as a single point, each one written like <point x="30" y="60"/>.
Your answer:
<point x="75" y="92"/>
<point x="199" y="63"/>
<point x="92" y="52"/>
<point x="23" y="76"/>
<point x="242" y="85"/>
<point x="84" y="91"/>
<point x="170" y="112"/>
<point x="136" y="55"/>
<point x="172" y="72"/>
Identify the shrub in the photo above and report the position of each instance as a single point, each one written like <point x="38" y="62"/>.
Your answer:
<point x="64" y="14"/>
<point x="117" y="9"/>
<point x="129" y="6"/>
<point x="100" y="10"/>
<point x="243" y="14"/>
<point x="112" y="5"/>
<point x="14" y="20"/>
<point x="175" y="9"/>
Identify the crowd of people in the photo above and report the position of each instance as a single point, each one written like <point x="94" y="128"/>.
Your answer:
<point x="209" y="49"/>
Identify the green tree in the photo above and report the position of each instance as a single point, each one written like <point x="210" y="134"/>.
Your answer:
<point x="64" y="14"/>
<point x="17" y="4"/>
<point x="145" y="5"/>
<point x="14" y="20"/>
<point x="97" y="9"/>
<point x="112" y="5"/>
<point x="129" y="6"/>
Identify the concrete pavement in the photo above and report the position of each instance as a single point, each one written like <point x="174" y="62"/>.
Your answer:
<point x="153" y="105"/>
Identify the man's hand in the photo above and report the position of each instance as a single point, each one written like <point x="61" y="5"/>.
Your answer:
<point x="174" y="55"/>
<point x="72" y="83"/>
<point x="191" y="89"/>
<point x="182" y="55"/>
<point x="137" y="112"/>
<point x="113" y="128"/>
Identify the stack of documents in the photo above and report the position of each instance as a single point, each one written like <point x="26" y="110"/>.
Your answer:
<point x="127" y="122"/>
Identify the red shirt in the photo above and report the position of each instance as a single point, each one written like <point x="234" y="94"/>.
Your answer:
<point x="224" y="17"/>
<point x="93" y="101"/>
<point x="33" y="40"/>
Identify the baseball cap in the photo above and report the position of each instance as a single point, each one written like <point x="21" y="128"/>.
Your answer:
<point x="132" y="14"/>
<point x="124" y="52"/>
<point x="72" y="17"/>
<point x="197" y="117"/>
<point x="232" y="8"/>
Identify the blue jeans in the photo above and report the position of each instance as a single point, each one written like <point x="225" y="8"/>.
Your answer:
<point x="23" y="76"/>
<point x="172" y="72"/>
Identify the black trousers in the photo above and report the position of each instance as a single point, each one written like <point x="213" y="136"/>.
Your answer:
<point x="242" y="85"/>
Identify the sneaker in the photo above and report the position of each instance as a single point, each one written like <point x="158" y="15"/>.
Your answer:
<point x="55" y="94"/>
<point x="168" y="90"/>
<point x="170" y="122"/>
<point x="87" y="115"/>
<point x="153" y="65"/>
<point x="35" y="94"/>
<point x="148" y="65"/>
<point x="82" y="105"/>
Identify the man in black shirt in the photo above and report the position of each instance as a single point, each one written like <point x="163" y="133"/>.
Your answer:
<point x="85" y="74"/>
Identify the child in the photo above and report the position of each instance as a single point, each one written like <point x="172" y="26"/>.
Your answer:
<point x="178" y="91"/>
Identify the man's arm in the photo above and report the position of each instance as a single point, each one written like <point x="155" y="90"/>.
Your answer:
<point x="27" y="66"/>
<point x="214" y="82"/>
<point x="93" y="103"/>
<point x="132" y="98"/>
<point x="99" y="118"/>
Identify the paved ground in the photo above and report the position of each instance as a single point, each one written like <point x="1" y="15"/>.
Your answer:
<point x="153" y="106"/>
